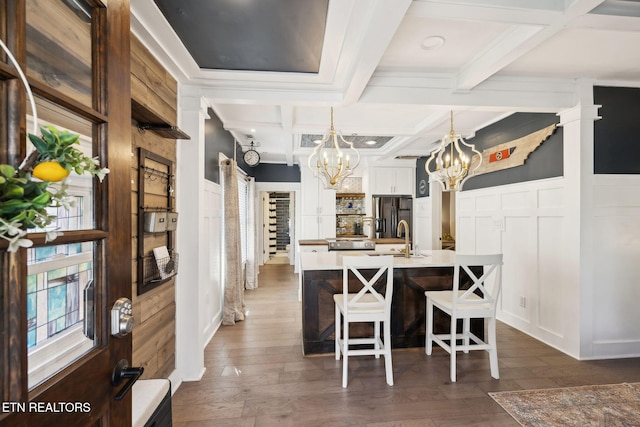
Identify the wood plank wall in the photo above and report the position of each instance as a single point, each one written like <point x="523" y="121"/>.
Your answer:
<point x="154" y="311"/>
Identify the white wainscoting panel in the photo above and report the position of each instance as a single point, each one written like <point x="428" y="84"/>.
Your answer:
<point x="212" y="289"/>
<point x="616" y="293"/>
<point x="522" y="221"/>
<point x="465" y="204"/>
<point x="519" y="200"/>
<point x="487" y="203"/>
<point x="552" y="287"/>
<point x="550" y="198"/>
<point x="520" y="269"/>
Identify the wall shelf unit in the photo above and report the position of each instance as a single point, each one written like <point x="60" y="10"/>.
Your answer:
<point x="148" y="120"/>
<point x="155" y="196"/>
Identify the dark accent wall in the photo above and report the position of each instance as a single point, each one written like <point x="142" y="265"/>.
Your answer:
<point x="273" y="172"/>
<point x="422" y="178"/>
<point x="544" y="162"/>
<point x="216" y="140"/>
<point x="616" y="143"/>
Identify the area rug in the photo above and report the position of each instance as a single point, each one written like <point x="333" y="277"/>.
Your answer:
<point x="597" y="405"/>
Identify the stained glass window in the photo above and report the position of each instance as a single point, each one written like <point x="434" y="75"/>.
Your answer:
<point x="54" y="296"/>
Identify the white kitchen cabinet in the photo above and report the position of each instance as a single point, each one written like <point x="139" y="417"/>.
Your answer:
<point x="318" y="227"/>
<point x="385" y="181"/>
<point x="318" y="208"/>
<point x="316" y="200"/>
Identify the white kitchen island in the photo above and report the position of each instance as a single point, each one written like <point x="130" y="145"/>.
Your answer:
<point x="333" y="260"/>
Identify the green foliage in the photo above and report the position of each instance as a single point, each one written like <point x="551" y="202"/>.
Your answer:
<point x="24" y="200"/>
<point x="60" y="147"/>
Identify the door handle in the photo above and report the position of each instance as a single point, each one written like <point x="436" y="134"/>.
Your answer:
<point x="121" y="372"/>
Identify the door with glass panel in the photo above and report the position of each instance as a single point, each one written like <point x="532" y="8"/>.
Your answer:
<point x="62" y="355"/>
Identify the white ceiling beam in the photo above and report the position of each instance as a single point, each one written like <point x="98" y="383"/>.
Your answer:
<point x="509" y="46"/>
<point x="239" y="95"/>
<point x="287" y="117"/>
<point x="485" y="12"/>
<point x="495" y="94"/>
<point x="383" y="18"/>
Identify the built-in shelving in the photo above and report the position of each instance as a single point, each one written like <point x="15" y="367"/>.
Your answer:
<point x="279" y="237"/>
<point x="350" y="212"/>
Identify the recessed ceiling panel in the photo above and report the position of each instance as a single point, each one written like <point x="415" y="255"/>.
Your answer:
<point x="252" y="35"/>
<point x="460" y="42"/>
<point x="582" y="53"/>
<point x="359" y="141"/>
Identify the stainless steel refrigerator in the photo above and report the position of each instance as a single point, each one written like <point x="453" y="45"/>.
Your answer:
<point x="388" y="211"/>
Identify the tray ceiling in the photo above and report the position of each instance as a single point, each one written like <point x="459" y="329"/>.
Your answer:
<point x="271" y="69"/>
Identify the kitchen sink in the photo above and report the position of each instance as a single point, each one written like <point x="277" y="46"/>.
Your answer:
<point x="395" y="254"/>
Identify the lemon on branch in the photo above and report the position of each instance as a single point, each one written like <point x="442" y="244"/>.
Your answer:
<point x="50" y="171"/>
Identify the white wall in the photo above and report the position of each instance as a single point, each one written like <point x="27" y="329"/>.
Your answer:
<point x="613" y="326"/>
<point x="524" y="221"/>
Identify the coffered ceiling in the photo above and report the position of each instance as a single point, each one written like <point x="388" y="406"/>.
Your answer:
<point x="392" y="69"/>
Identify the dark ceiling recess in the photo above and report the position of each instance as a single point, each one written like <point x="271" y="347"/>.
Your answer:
<point x="252" y="35"/>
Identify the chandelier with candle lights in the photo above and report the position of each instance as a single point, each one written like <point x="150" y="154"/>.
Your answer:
<point x="329" y="162"/>
<point x="449" y="164"/>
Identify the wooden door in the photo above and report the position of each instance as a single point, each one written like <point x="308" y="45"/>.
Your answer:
<point x="76" y="58"/>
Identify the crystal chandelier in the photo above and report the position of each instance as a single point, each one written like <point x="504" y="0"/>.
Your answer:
<point x="449" y="164"/>
<point x="329" y="163"/>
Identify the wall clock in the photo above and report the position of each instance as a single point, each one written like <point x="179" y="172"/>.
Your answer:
<point x="251" y="157"/>
<point x="422" y="187"/>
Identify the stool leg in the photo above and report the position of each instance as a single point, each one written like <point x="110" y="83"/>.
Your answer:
<point x="466" y="331"/>
<point x="493" y="352"/>
<point x="337" y="332"/>
<point x="452" y="344"/>
<point x="345" y="354"/>
<point x="376" y="337"/>
<point x="428" y="345"/>
<point x="388" y="365"/>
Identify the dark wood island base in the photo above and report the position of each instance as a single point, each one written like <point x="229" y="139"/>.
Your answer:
<point x="407" y="308"/>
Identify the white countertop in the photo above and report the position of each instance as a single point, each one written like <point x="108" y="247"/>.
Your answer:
<point x="333" y="260"/>
<point x="147" y="396"/>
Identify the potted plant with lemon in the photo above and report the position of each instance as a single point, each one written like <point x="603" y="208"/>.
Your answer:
<point x="26" y="192"/>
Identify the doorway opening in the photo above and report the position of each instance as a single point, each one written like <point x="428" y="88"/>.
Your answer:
<point x="448" y="220"/>
<point x="277" y="225"/>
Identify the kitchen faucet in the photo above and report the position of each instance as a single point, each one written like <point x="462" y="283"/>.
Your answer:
<point x="407" y="250"/>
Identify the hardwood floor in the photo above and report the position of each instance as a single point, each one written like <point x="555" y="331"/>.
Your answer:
<point x="256" y="375"/>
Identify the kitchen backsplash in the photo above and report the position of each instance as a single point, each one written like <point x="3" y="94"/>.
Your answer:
<point x="352" y="184"/>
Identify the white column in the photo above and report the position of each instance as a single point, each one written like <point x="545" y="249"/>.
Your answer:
<point x="577" y="277"/>
<point x="190" y="341"/>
